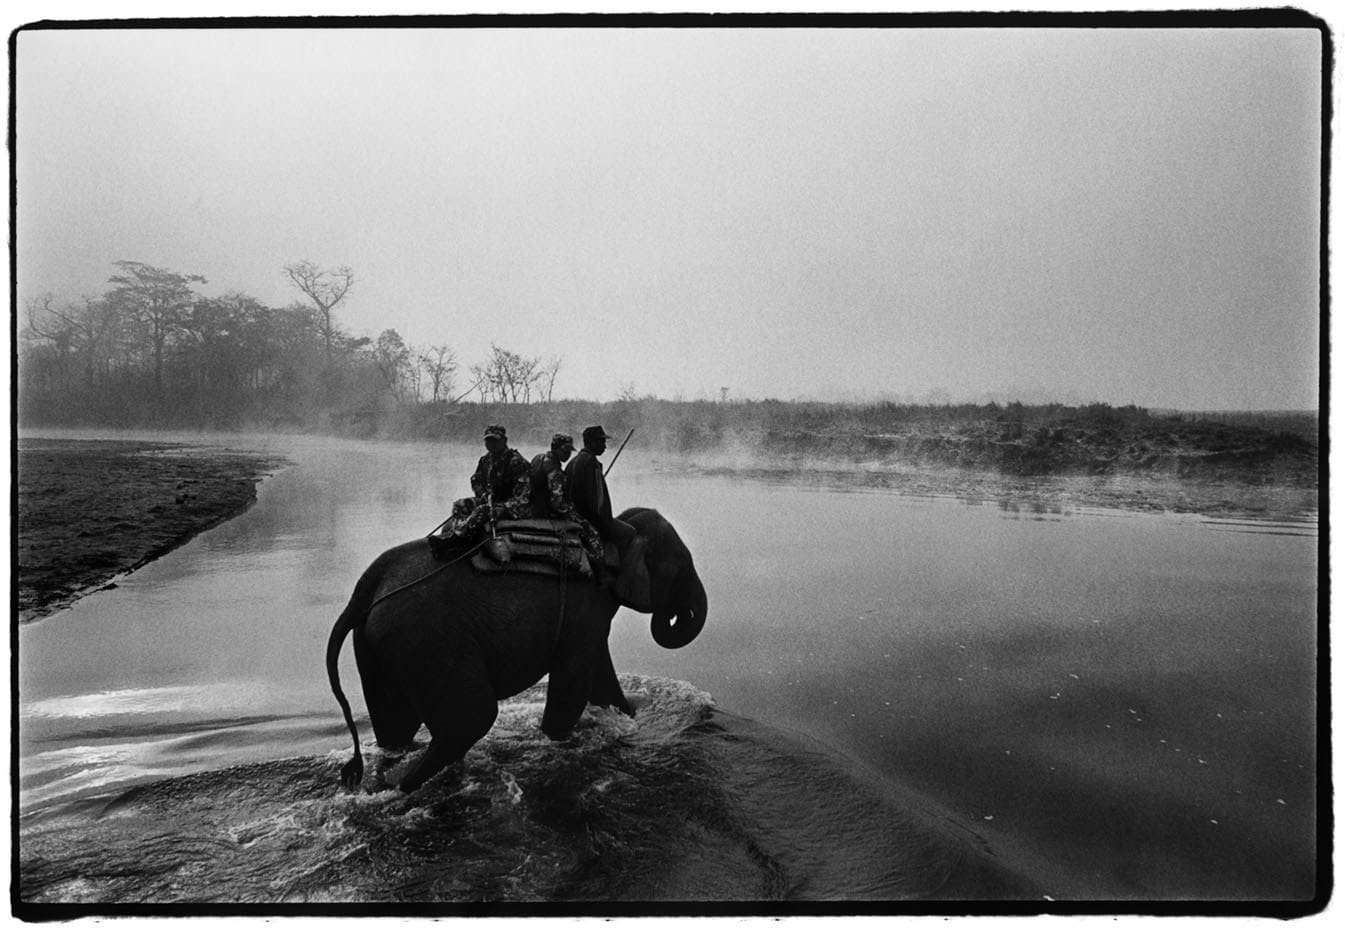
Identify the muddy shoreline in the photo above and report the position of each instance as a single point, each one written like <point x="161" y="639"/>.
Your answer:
<point x="89" y="512"/>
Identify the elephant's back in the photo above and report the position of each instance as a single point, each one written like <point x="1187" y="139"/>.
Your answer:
<point x="451" y="613"/>
<point x="405" y="568"/>
<point x="413" y="571"/>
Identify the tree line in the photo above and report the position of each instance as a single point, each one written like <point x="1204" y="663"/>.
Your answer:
<point x="151" y="350"/>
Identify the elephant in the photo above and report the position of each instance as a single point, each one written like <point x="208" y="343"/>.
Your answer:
<point x="439" y="643"/>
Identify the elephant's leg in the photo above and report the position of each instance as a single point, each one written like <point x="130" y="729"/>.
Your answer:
<point x="461" y="709"/>
<point x="390" y="713"/>
<point x="567" y="691"/>
<point x="606" y="688"/>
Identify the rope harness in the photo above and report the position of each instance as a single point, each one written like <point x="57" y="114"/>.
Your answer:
<point x="421" y="579"/>
<point x="560" y="620"/>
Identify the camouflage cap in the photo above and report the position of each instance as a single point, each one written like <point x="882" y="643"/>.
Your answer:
<point x="562" y="440"/>
<point x="496" y="430"/>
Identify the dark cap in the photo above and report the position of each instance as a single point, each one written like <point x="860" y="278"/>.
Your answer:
<point x="562" y="440"/>
<point x="496" y="430"/>
<point x="595" y="433"/>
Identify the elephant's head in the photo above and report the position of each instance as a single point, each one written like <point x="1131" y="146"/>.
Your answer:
<point x="676" y="597"/>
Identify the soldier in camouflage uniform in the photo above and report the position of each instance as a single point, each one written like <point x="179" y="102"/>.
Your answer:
<point x="550" y="499"/>
<point x="500" y="486"/>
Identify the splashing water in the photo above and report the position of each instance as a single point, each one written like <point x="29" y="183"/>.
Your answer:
<point x="680" y="803"/>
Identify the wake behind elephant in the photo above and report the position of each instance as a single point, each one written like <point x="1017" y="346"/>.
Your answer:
<point x="440" y="644"/>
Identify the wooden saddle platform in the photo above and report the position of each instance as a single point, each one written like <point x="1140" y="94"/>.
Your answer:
<point x="538" y="545"/>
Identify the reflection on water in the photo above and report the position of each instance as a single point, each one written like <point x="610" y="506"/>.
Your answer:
<point x="1304" y="528"/>
<point x="156" y="700"/>
<point x="1037" y="509"/>
<point x="1021" y="673"/>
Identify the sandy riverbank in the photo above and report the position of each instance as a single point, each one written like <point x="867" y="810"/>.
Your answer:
<point x="89" y="511"/>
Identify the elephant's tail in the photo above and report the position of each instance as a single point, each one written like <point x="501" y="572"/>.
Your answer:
<point x="352" y="772"/>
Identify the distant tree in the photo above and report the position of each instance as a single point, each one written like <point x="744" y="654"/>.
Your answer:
<point x="155" y="298"/>
<point x="507" y="376"/>
<point x="439" y="365"/>
<point x="293" y="328"/>
<point x="482" y="384"/>
<point x="50" y="345"/>
<point x="223" y="343"/>
<point x="292" y="357"/>
<point x="547" y="377"/>
<point x="326" y="288"/>
<point x="98" y="325"/>
<point x="42" y="371"/>
<point x="47" y="324"/>
<point x="415" y="376"/>
<point x="293" y="336"/>
<point x="392" y="358"/>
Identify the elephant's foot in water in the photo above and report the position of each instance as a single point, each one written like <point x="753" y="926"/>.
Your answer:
<point x="629" y="705"/>
<point x="389" y="760"/>
<point x="461" y="716"/>
<point x="633" y="703"/>
<point x="557" y="731"/>
<point x="428" y="767"/>
<point x="605" y="690"/>
<point x="452" y="774"/>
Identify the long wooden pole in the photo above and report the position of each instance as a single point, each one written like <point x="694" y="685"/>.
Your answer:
<point x="618" y="452"/>
<point x="467" y="393"/>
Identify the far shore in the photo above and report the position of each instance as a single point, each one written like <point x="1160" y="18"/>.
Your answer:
<point x="1269" y="501"/>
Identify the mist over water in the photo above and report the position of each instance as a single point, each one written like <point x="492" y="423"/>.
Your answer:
<point x="1111" y="704"/>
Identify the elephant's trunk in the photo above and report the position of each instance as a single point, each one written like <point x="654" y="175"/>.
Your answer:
<point x="681" y="630"/>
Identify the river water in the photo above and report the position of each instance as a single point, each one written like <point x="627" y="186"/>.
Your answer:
<point x="893" y="697"/>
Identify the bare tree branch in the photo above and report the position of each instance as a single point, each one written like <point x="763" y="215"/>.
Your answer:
<point x="326" y="289"/>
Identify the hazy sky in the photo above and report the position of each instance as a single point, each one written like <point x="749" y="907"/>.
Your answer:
<point x="1121" y="215"/>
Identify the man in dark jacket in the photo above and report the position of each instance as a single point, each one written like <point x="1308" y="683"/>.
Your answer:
<point x="500" y="489"/>
<point x="587" y="489"/>
<point x="549" y="496"/>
